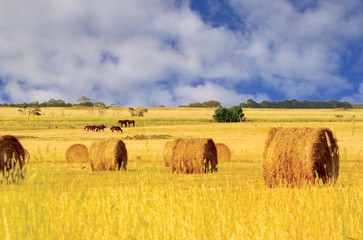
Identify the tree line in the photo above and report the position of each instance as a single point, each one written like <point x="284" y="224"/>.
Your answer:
<point x="295" y="104"/>
<point x="207" y="104"/>
<point x="83" y="101"/>
<point x="289" y="104"/>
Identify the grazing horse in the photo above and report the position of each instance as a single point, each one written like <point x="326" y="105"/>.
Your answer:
<point x="122" y="122"/>
<point x="100" y="127"/>
<point x="131" y="122"/>
<point x="116" y="129"/>
<point x="88" y="127"/>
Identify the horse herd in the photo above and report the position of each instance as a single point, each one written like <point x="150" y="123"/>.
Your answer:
<point x="95" y="128"/>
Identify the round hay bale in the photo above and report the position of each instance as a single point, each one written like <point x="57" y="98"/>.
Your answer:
<point x="223" y="153"/>
<point x="77" y="153"/>
<point x="12" y="153"/>
<point x="295" y="156"/>
<point x="169" y="151"/>
<point x="26" y="155"/>
<point x="195" y="155"/>
<point x="108" y="155"/>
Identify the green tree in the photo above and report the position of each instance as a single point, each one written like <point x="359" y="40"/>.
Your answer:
<point x="99" y="104"/>
<point x="85" y="101"/>
<point x="252" y="104"/>
<point x="211" y="104"/>
<point x="232" y="114"/>
<point x="138" y="112"/>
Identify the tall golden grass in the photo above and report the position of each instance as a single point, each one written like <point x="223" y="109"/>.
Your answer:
<point x="56" y="201"/>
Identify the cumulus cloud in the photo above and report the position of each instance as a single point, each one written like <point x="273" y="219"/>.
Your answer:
<point x="201" y="93"/>
<point x="355" y="98"/>
<point x="147" y="53"/>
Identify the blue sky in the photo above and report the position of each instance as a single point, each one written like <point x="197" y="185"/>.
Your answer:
<point x="148" y="53"/>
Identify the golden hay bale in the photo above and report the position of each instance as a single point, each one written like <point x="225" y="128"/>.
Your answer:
<point x="108" y="155"/>
<point x="26" y="155"/>
<point x="169" y="151"/>
<point x="223" y="153"/>
<point x="77" y="153"/>
<point x="294" y="156"/>
<point x="11" y="153"/>
<point x="195" y="155"/>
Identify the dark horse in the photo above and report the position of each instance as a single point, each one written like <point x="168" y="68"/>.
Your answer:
<point x="122" y="122"/>
<point x="131" y="122"/>
<point x="100" y="127"/>
<point x="88" y="127"/>
<point x="116" y="129"/>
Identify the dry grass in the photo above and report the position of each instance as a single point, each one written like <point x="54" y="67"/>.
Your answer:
<point x="58" y="201"/>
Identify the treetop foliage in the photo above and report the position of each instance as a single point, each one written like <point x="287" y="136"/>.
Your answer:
<point x="294" y="104"/>
<point x="138" y="112"/>
<point x="207" y="104"/>
<point x="232" y="114"/>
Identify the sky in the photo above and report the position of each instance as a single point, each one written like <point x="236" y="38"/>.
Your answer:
<point x="174" y="52"/>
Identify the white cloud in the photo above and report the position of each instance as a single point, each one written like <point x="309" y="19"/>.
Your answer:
<point x="298" y="52"/>
<point x="135" y="52"/>
<point x="209" y="91"/>
<point x="356" y="98"/>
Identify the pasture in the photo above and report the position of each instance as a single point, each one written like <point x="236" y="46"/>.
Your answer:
<point x="58" y="200"/>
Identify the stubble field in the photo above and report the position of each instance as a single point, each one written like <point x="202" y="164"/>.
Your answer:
<point x="58" y="200"/>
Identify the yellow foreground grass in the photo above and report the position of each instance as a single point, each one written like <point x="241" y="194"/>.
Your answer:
<point x="62" y="201"/>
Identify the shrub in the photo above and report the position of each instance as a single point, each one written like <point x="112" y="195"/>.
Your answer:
<point x="232" y="114"/>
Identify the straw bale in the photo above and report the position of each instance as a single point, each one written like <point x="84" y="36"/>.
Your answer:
<point x="195" y="155"/>
<point x="77" y="153"/>
<point x="169" y="151"/>
<point x="295" y="156"/>
<point x="223" y="153"/>
<point x="26" y="155"/>
<point x="108" y="155"/>
<point x="11" y="153"/>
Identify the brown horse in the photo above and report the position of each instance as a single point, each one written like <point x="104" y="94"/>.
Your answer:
<point x="116" y="129"/>
<point x="123" y="122"/>
<point x="100" y="127"/>
<point x="131" y="122"/>
<point x="88" y="127"/>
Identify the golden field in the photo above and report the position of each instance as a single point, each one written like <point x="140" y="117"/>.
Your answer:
<point x="62" y="201"/>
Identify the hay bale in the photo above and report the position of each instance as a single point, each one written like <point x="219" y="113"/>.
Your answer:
<point x="195" y="155"/>
<point x="26" y="155"/>
<point x="169" y="151"/>
<point x="294" y="156"/>
<point x="223" y="153"/>
<point x="12" y="153"/>
<point x="108" y="155"/>
<point x="77" y="153"/>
